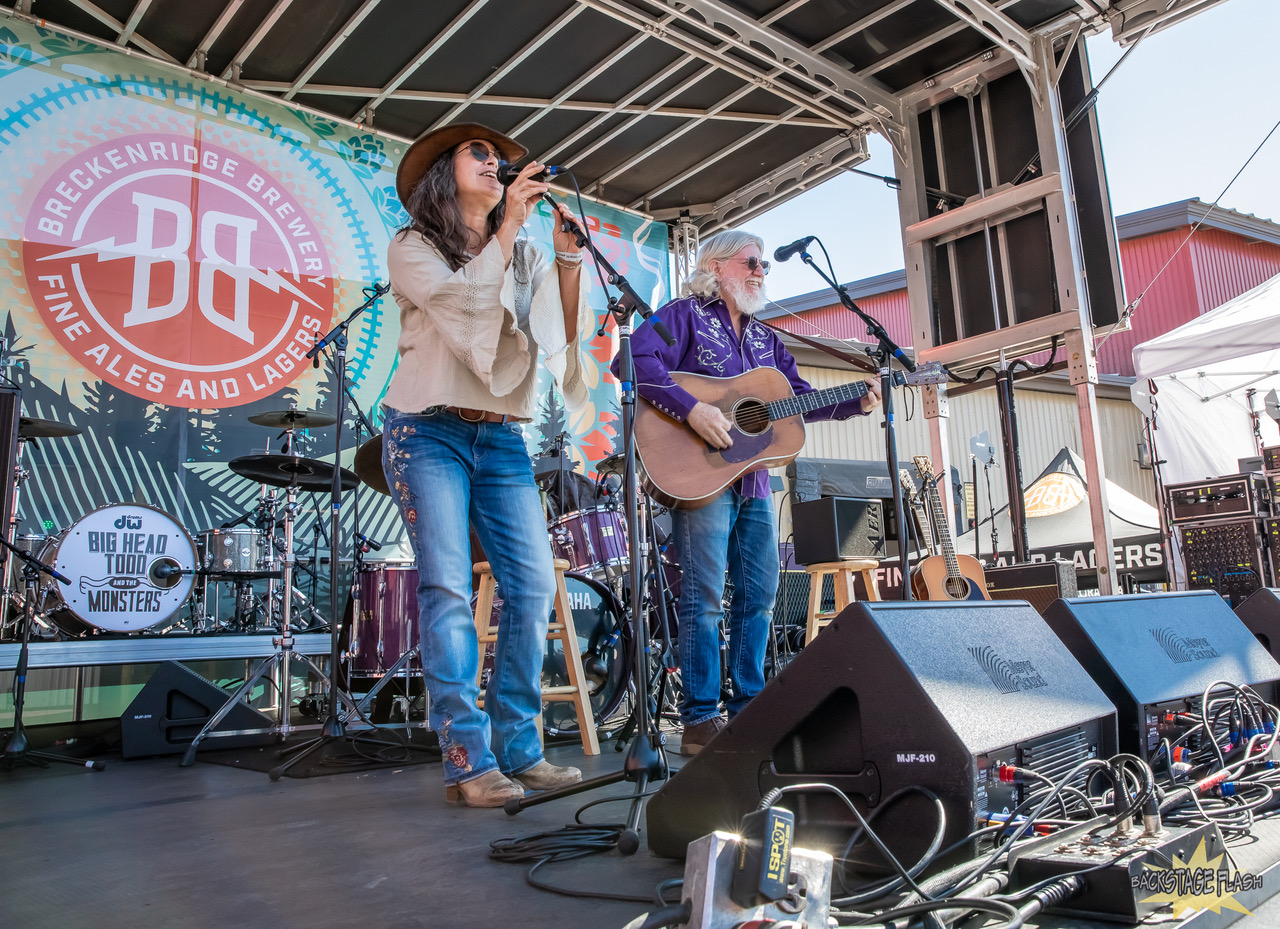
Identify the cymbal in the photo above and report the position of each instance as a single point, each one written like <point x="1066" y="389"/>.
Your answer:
<point x="283" y="470"/>
<point x="368" y="465"/>
<point x="614" y="464"/>
<point x="31" y="428"/>
<point x="293" y="419"/>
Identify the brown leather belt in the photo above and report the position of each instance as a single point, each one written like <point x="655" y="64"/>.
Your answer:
<point x="482" y="416"/>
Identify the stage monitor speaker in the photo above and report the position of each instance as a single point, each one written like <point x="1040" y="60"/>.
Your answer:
<point x="1260" y="614"/>
<point x="174" y="706"/>
<point x="1039" y="583"/>
<point x="1156" y="653"/>
<point x="891" y="697"/>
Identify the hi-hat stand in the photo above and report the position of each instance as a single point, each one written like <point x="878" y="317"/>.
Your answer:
<point x="17" y="749"/>
<point x="334" y="728"/>
<point x="646" y="759"/>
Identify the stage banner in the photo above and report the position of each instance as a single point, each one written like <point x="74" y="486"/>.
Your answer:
<point x="173" y="248"/>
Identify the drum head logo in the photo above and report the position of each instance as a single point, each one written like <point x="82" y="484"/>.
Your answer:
<point x="184" y="274"/>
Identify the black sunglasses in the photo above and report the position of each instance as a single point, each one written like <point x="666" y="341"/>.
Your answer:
<point x="753" y="263"/>
<point x="481" y="152"/>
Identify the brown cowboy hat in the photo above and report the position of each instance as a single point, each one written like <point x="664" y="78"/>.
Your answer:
<point x="423" y="153"/>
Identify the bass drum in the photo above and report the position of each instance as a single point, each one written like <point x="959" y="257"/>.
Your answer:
<point x="131" y="567"/>
<point x="604" y="642"/>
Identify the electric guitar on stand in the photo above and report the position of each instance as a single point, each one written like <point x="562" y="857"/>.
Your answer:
<point x="683" y="471"/>
<point x="949" y="576"/>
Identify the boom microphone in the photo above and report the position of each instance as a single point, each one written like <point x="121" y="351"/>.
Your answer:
<point x="785" y="252"/>
<point x="507" y="173"/>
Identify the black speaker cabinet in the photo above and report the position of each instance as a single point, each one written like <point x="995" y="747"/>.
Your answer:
<point x="1039" y="583"/>
<point x="1155" y="653"/>
<point x="174" y="706"/>
<point x="831" y="528"/>
<point x="1260" y="614"/>
<point x="890" y="697"/>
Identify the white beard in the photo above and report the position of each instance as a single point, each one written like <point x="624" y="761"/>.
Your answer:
<point x="747" y="300"/>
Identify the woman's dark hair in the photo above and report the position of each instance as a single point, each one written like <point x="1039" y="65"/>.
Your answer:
<point x="433" y="212"/>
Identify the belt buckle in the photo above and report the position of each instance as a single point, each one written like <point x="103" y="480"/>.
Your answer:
<point x="479" y="419"/>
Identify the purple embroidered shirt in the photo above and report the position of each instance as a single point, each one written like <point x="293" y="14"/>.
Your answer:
<point x="707" y="344"/>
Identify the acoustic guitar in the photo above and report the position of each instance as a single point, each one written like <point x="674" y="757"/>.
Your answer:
<point x="949" y="576"/>
<point x="767" y="427"/>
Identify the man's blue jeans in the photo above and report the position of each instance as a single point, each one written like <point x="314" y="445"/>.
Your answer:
<point x="738" y="533"/>
<point x="444" y="473"/>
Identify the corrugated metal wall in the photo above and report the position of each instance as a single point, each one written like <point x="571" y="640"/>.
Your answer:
<point x="892" y="309"/>
<point x="1228" y="265"/>
<point x="1046" y="423"/>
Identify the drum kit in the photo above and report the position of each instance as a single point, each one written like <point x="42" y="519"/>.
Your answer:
<point x="134" y="568"/>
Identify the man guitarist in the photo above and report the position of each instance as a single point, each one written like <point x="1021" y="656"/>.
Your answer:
<point x="716" y="335"/>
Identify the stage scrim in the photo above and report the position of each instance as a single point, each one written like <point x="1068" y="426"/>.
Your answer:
<point x="174" y="246"/>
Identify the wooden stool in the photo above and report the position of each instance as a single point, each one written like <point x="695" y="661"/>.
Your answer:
<point x="562" y="629"/>
<point x="842" y="573"/>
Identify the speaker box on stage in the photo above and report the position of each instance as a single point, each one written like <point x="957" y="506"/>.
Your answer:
<point x="174" y="706"/>
<point x="831" y="528"/>
<point x="1260" y="614"/>
<point x="1156" y="653"/>
<point x="1039" y="583"/>
<point x="891" y="697"/>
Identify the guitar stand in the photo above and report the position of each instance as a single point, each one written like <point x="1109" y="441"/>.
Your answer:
<point x="646" y="760"/>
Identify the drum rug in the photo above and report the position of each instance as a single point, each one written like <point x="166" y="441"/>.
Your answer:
<point x="342" y="756"/>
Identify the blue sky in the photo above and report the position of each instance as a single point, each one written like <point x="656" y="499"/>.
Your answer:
<point x="1178" y="119"/>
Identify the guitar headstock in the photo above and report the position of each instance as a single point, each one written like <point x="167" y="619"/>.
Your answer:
<point x="925" y="466"/>
<point x="908" y="485"/>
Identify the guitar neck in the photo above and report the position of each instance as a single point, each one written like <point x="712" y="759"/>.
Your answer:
<point x="944" y="532"/>
<point x="815" y="400"/>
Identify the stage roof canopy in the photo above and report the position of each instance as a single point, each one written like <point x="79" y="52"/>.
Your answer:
<point x="715" y="109"/>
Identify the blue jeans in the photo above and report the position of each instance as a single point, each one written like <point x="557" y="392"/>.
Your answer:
<point x="445" y="472"/>
<point x="739" y="533"/>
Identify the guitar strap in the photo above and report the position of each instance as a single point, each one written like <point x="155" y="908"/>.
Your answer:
<point x="859" y="363"/>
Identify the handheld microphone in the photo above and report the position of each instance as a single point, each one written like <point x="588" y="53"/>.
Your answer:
<point x="376" y="546"/>
<point x="164" y="568"/>
<point x="508" y="172"/>
<point x="785" y="252"/>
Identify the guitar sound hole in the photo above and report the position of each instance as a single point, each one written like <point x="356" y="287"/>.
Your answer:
<point x="751" y="416"/>
<point x="957" y="588"/>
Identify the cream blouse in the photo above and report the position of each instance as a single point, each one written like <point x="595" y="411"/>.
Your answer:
<point x="470" y="338"/>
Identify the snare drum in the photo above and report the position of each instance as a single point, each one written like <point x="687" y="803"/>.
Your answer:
<point x="237" y="552"/>
<point x="131" y="567"/>
<point x="386" y="625"/>
<point x="593" y="541"/>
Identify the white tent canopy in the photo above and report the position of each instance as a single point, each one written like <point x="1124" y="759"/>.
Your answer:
<point x="1193" y="383"/>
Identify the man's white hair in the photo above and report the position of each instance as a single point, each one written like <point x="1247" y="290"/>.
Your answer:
<point x="720" y="246"/>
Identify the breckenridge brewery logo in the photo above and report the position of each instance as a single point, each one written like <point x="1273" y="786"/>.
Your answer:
<point x="1008" y="676"/>
<point x="184" y="274"/>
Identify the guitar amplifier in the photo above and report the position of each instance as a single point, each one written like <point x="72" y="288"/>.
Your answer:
<point x="1225" y="557"/>
<point x="831" y="528"/>
<point x="1222" y="498"/>
<point x="1039" y="583"/>
<point x="1271" y="458"/>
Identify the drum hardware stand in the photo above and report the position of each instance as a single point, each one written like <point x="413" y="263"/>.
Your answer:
<point x="279" y="661"/>
<point x="646" y="759"/>
<point x="17" y="749"/>
<point x="334" y="728"/>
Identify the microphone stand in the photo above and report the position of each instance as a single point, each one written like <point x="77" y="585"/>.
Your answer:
<point x="886" y="351"/>
<point x="646" y="760"/>
<point x="17" y="749"/>
<point x="333" y="729"/>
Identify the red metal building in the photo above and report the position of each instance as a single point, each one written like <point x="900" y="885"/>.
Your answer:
<point x="1228" y="254"/>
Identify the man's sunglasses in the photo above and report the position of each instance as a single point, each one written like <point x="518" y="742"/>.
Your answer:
<point x="753" y="263"/>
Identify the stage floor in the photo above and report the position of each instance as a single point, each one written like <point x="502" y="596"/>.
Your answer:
<point x="148" y="845"/>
